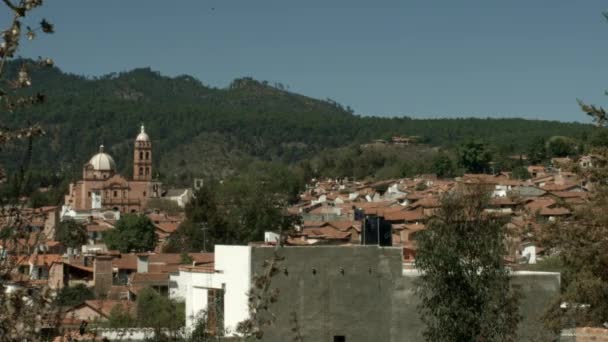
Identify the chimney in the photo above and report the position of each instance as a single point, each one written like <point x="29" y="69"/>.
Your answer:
<point x="102" y="275"/>
<point x="142" y="263"/>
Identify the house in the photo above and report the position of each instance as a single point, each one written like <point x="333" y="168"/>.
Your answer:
<point x="180" y="196"/>
<point x="536" y="171"/>
<point x="95" y="311"/>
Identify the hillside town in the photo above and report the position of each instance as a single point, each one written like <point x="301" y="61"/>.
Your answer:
<point x="303" y="171"/>
<point x="336" y="214"/>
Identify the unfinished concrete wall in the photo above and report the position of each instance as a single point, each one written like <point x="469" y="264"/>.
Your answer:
<point x="363" y="294"/>
<point x="333" y="291"/>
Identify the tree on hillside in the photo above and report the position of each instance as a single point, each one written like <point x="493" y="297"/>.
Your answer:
<point x="559" y="146"/>
<point x="237" y="210"/>
<point x="464" y="286"/>
<point x="474" y="157"/>
<point x="133" y="233"/>
<point x="71" y="234"/>
<point x="443" y="166"/>
<point x="537" y="151"/>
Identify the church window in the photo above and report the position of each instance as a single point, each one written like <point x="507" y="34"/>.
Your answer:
<point x="141" y="155"/>
<point x="115" y="193"/>
<point x="141" y="171"/>
<point x="147" y="155"/>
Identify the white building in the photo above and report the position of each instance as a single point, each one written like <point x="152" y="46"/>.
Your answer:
<point x="231" y="278"/>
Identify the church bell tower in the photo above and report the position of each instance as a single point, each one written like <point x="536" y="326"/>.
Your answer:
<point x="142" y="158"/>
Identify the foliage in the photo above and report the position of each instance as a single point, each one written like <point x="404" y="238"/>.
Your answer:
<point x="186" y="259"/>
<point x="599" y="138"/>
<point x="74" y="295"/>
<point x="582" y="246"/>
<point x="71" y="234"/>
<point x="237" y="210"/>
<point x="521" y="172"/>
<point x="226" y="128"/>
<point x="537" y="152"/>
<point x="120" y="318"/>
<point x="156" y="311"/>
<point x="474" y="157"/>
<point x="464" y="287"/>
<point x="559" y="146"/>
<point x="20" y="310"/>
<point x="132" y="233"/>
<point x="443" y="166"/>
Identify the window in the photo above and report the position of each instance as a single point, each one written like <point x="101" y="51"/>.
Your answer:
<point x="89" y="194"/>
<point x="141" y="171"/>
<point x="340" y="338"/>
<point x="147" y="155"/>
<point x="115" y="193"/>
<point x="147" y="171"/>
<point x="141" y="155"/>
<point x="144" y="194"/>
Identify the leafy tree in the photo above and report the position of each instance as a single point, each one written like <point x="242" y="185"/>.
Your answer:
<point x="74" y="295"/>
<point x="156" y="311"/>
<point x="537" y="152"/>
<point x="238" y="210"/>
<point x="133" y="233"/>
<point x="521" y="172"/>
<point x="71" y="234"/>
<point x="474" y="156"/>
<point x="120" y="318"/>
<point x="599" y="138"/>
<point x="186" y="259"/>
<point x="443" y="166"/>
<point x="582" y="243"/>
<point x="561" y="146"/>
<point x="464" y="286"/>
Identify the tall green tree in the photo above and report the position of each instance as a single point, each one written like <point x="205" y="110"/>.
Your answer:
<point x="74" y="295"/>
<point x="71" y="234"/>
<point x="464" y="286"/>
<point x="537" y="151"/>
<point x="474" y="156"/>
<point x="443" y="166"/>
<point x="560" y="146"/>
<point x="132" y="233"/>
<point x="156" y="311"/>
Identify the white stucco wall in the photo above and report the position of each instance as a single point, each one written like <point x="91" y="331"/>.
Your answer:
<point x="232" y="272"/>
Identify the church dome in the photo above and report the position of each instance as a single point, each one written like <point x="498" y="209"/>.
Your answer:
<point x="142" y="136"/>
<point x="102" y="161"/>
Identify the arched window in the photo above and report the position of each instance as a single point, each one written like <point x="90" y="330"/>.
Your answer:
<point x="141" y="155"/>
<point x="147" y="155"/>
<point x="147" y="171"/>
<point x="141" y="170"/>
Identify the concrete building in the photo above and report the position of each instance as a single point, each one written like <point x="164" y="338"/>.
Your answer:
<point x="102" y="187"/>
<point x="334" y="293"/>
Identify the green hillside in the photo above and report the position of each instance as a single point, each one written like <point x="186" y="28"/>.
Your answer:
<point x="203" y="131"/>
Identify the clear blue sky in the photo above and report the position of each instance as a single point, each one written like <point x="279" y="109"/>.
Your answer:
<point x="421" y="58"/>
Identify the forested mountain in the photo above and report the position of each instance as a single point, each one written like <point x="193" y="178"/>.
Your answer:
<point x="199" y="130"/>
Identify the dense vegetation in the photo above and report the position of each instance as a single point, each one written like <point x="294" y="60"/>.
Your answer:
<point x="203" y="131"/>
